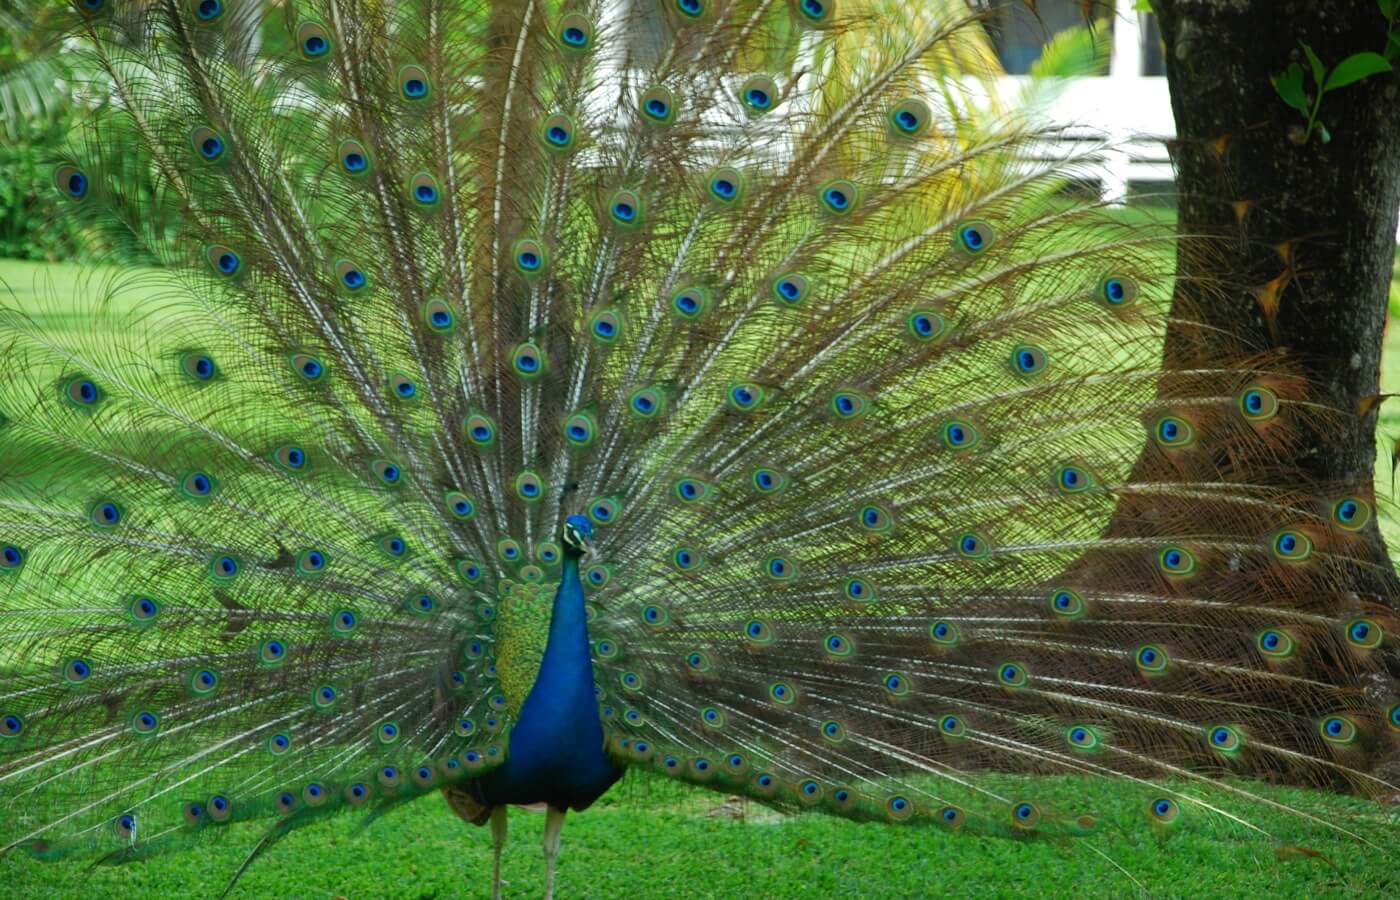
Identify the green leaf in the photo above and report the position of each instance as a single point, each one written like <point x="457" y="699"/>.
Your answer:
<point x="1392" y="43"/>
<point x="1354" y="68"/>
<point x="1388" y="8"/>
<point x="1146" y="5"/>
<point x="1289" y="85"/>
<point x="1318" y="69"/>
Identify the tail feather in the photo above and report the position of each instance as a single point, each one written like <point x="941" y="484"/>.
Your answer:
<point x="893" y="493"/>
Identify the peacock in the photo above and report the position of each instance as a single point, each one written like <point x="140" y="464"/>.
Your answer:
<point x="536" y="392"/>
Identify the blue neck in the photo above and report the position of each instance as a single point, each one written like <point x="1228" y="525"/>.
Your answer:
<point x="567" y="668"/>
<point x="556" y="747"/>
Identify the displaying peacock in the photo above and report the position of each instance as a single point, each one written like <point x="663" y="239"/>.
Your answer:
<point x="554" y="389"/>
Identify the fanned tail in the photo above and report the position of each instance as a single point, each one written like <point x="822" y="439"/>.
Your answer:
<point x="892" y="493"/>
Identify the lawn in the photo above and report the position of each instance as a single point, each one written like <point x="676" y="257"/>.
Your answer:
<point x="653" y="838"/>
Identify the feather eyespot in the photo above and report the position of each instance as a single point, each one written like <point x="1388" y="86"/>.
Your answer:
<point x="746" y="396"/>
<point x="1364" y="633"/>
<point x="207" y="11"/>
<point x="528" y="361"/>
<point x="691" y="303"/>
<point x="972" y="545"/>
<point x="1082" y="737"/>
<point x="1012" y="675"/>
<point x="759" y="94"/>
<point x="944" y="633"/>
<point x="480" y="430"/>
<point x="307" y="366"/>
<point x="1176" y="562"/>
<point x="575" y="32"/>
<point x="386" y="472"/>
<point x="224" y="568"/>
<point x="344" y="622"/>
<point x="313" y="41"/>
<point x="625" y="209"/>
<point x="203" y="682"/>
<point x="1338" y="730"/>
<point x="529" y="487"/>
<point x="77" y="672"/>
<point x="208" y="144"/>
<point x="974" y="238"/>
<point x="925" y="325"/>
<point x="1067" y="604"/>
<point x="11" y="558"/>
<point x="414" y="83"/>
<point x="896" y="684"/>
<point x="790" y="289"/>
<point x="354" y="158"/>
<point x="424" y="191"/>
<point x="1224" y="739"/>
<point x="691" y="9"/>
<point x="198" y="486"/>
<point x="72" y="182"/>
<point x="960" y="436"/>
<point x="459" y="505"/>
<point x="726" y="186"/>
<point x="605" y="326"/>
<point x="849" y="405"/>
<point x="658" y="106"/>
<point x="1118" y="291"/>
<point x="1258" y="404"/>
<point x="1291" y="546"/>
<point x="758" y="632"/>
<point x="858" y="590"/>
<point x="686" y="560"/>
<point x="647" y="403"/>
<point x="469" y="570"/>
<point x="438" y="316"/>
<point x="1351" y="513"/>
<point x="816" y="13"/>
<point x="1275" y="643"/>
<point x="1028" y="360"/>
<point x="1072" y="479"/>
<point x="199" y="368"/>
<point x="225" y="262"/>
<point x="106" y="514"/>
<point x="839" y="197"/>
<point x="780" y="568"/>
<point x="898" y="807"/>
<point x="312" y="561"/>
<point x="838" y="645"/>
<point x="1151" y="660"/>
<point x="1163" y="811"/>
<point x="291" y="457"/>
<point x="909" y="118"/>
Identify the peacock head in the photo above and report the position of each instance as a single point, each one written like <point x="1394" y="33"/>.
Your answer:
<point x="578" y="536"/>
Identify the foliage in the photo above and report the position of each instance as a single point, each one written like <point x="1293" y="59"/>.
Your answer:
<point x="1288" y="84"/>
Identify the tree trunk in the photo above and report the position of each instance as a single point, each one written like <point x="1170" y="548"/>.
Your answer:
<point x="1311" y="224"/>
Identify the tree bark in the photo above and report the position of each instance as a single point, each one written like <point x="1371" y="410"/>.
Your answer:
<point x="1311" y="224"/>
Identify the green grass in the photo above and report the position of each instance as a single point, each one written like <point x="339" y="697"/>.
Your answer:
<point x="651" y="838"/>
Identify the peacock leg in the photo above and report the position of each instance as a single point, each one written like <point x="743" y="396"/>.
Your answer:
<point x="553" y="828"/>
<point x="498" y="842"/>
